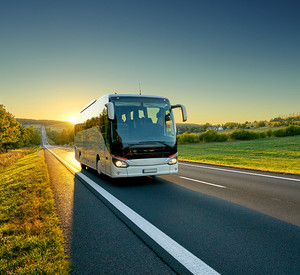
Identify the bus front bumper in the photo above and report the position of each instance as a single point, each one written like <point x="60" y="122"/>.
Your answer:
<point x="144" y="170"/>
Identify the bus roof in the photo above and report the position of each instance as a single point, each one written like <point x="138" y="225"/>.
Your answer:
<point x="134" y="95"/>
<point x="121" y="95"/>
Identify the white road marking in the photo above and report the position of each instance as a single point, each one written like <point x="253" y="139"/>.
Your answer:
<point x="239" y="172"/>
<point x="204" y="182"/>
<point x="182" y="255"/>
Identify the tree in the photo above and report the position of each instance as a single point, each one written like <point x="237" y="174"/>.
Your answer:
<point x="9" y="130"/>
<point x="230" y="125"/>
<point x="260" y="124"/>
<point x="13" y="135"/>
<point x="34" y="136"/>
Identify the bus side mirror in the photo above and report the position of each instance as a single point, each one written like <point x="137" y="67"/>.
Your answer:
<point x="110" y="110"/>
<point x="183" y="111"/>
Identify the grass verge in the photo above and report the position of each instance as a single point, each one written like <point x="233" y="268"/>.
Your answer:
<point x="12" y="156"/>
<point x="270" y="154"/>
<point x="30" y="240"/>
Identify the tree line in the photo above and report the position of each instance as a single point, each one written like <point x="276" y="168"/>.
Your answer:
<point x="274" y="122"/>
<point x="13" y="135"/>
<point x="237" y="134"/>
<point x="66" y="136"/>
<point x="45" y="122"/>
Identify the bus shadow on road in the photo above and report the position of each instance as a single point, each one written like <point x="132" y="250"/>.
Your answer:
<point x="123" y="182"/>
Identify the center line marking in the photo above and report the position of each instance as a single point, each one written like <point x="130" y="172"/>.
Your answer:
<point x="204" y="182"/>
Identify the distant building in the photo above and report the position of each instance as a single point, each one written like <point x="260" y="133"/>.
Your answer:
<point x="216" y="128"/>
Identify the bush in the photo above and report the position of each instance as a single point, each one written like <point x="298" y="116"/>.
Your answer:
<point x="222" y="137"/>
<point x="208" y="136"/>
<point x="263" y="134"/>
<point x="244" y="135"/>
<point x="280" y="132"/>
<point x="269" y="132"/>
<point x="260" y="124"/>
<point x="237" y="134"/>
<point x="211" y="135"/>
<point x="188" y="138"/>
<point x="291" y="130"/>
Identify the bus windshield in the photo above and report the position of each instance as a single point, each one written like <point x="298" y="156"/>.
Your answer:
<point x="143" y="121"/>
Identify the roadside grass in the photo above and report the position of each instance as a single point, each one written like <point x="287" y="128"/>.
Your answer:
<point x="269" y="154"/>
<point x="31" y="241"/>
<point x="12" y="156"/>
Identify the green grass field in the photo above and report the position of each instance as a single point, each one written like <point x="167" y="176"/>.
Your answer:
<point x="30" y="239"/>
<point x="269" y="154"/>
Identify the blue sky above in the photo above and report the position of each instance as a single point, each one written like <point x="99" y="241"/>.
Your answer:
<point x="224" y="60"/>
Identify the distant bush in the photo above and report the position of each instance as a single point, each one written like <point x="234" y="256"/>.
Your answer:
<point x="280" y="132"/>
<point x="291" y="130"/>
<point x="238" y="134"/>
<point x="208" y="136"/>
<point x="286" y="121"/>
<point x="269" y="132"/>
<point x="186" y="138"/>
<point x="260" y="124"/>
<point x="212" y="135"/>
<point x="263" y="134"/>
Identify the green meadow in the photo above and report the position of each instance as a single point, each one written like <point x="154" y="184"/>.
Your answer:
<point x="269" y="154"/>
<point x="30" y="239"/>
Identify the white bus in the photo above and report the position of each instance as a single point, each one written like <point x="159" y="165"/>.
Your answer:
<point x="128" y="136"/>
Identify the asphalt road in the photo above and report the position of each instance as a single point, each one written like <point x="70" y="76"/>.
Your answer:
<point x="234" y="221"/>
<point x="97" y="241"/>
<point x="269" y="193"/>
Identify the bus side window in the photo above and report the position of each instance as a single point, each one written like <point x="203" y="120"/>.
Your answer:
<point x="102" y="123"/>
<point x="107" y="131"/>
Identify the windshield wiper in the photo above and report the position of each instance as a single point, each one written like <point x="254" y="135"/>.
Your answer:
<point x="155" y="141"/>
<point x="150" y="142"/>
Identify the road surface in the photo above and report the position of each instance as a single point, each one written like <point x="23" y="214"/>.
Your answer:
<point x="233" y="221"/>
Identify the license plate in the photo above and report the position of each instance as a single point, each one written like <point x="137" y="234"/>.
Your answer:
<point x="154" y="170"/>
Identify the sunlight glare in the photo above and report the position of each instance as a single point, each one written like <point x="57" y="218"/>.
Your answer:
<point x="72" y="119"/>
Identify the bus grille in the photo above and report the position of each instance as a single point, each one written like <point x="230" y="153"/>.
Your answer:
<point x="141" y="153"/>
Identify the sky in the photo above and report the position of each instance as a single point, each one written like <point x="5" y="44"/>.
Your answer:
<point x="224" y="60"/>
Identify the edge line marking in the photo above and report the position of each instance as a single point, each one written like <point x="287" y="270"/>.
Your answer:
<point x="239" y="172"/>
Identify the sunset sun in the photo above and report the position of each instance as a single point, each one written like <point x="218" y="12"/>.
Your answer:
<point x="72" y="119"/>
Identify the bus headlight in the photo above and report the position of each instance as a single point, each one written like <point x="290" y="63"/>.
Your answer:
<point x="173" y="159"/>
<point x="119" y="163"/>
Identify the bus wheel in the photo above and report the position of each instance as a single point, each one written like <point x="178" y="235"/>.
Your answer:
<point x="83" y="166"/>
<point x="99" y="167"/>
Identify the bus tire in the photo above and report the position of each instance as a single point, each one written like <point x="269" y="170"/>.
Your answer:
<point x="83" y="166"/>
